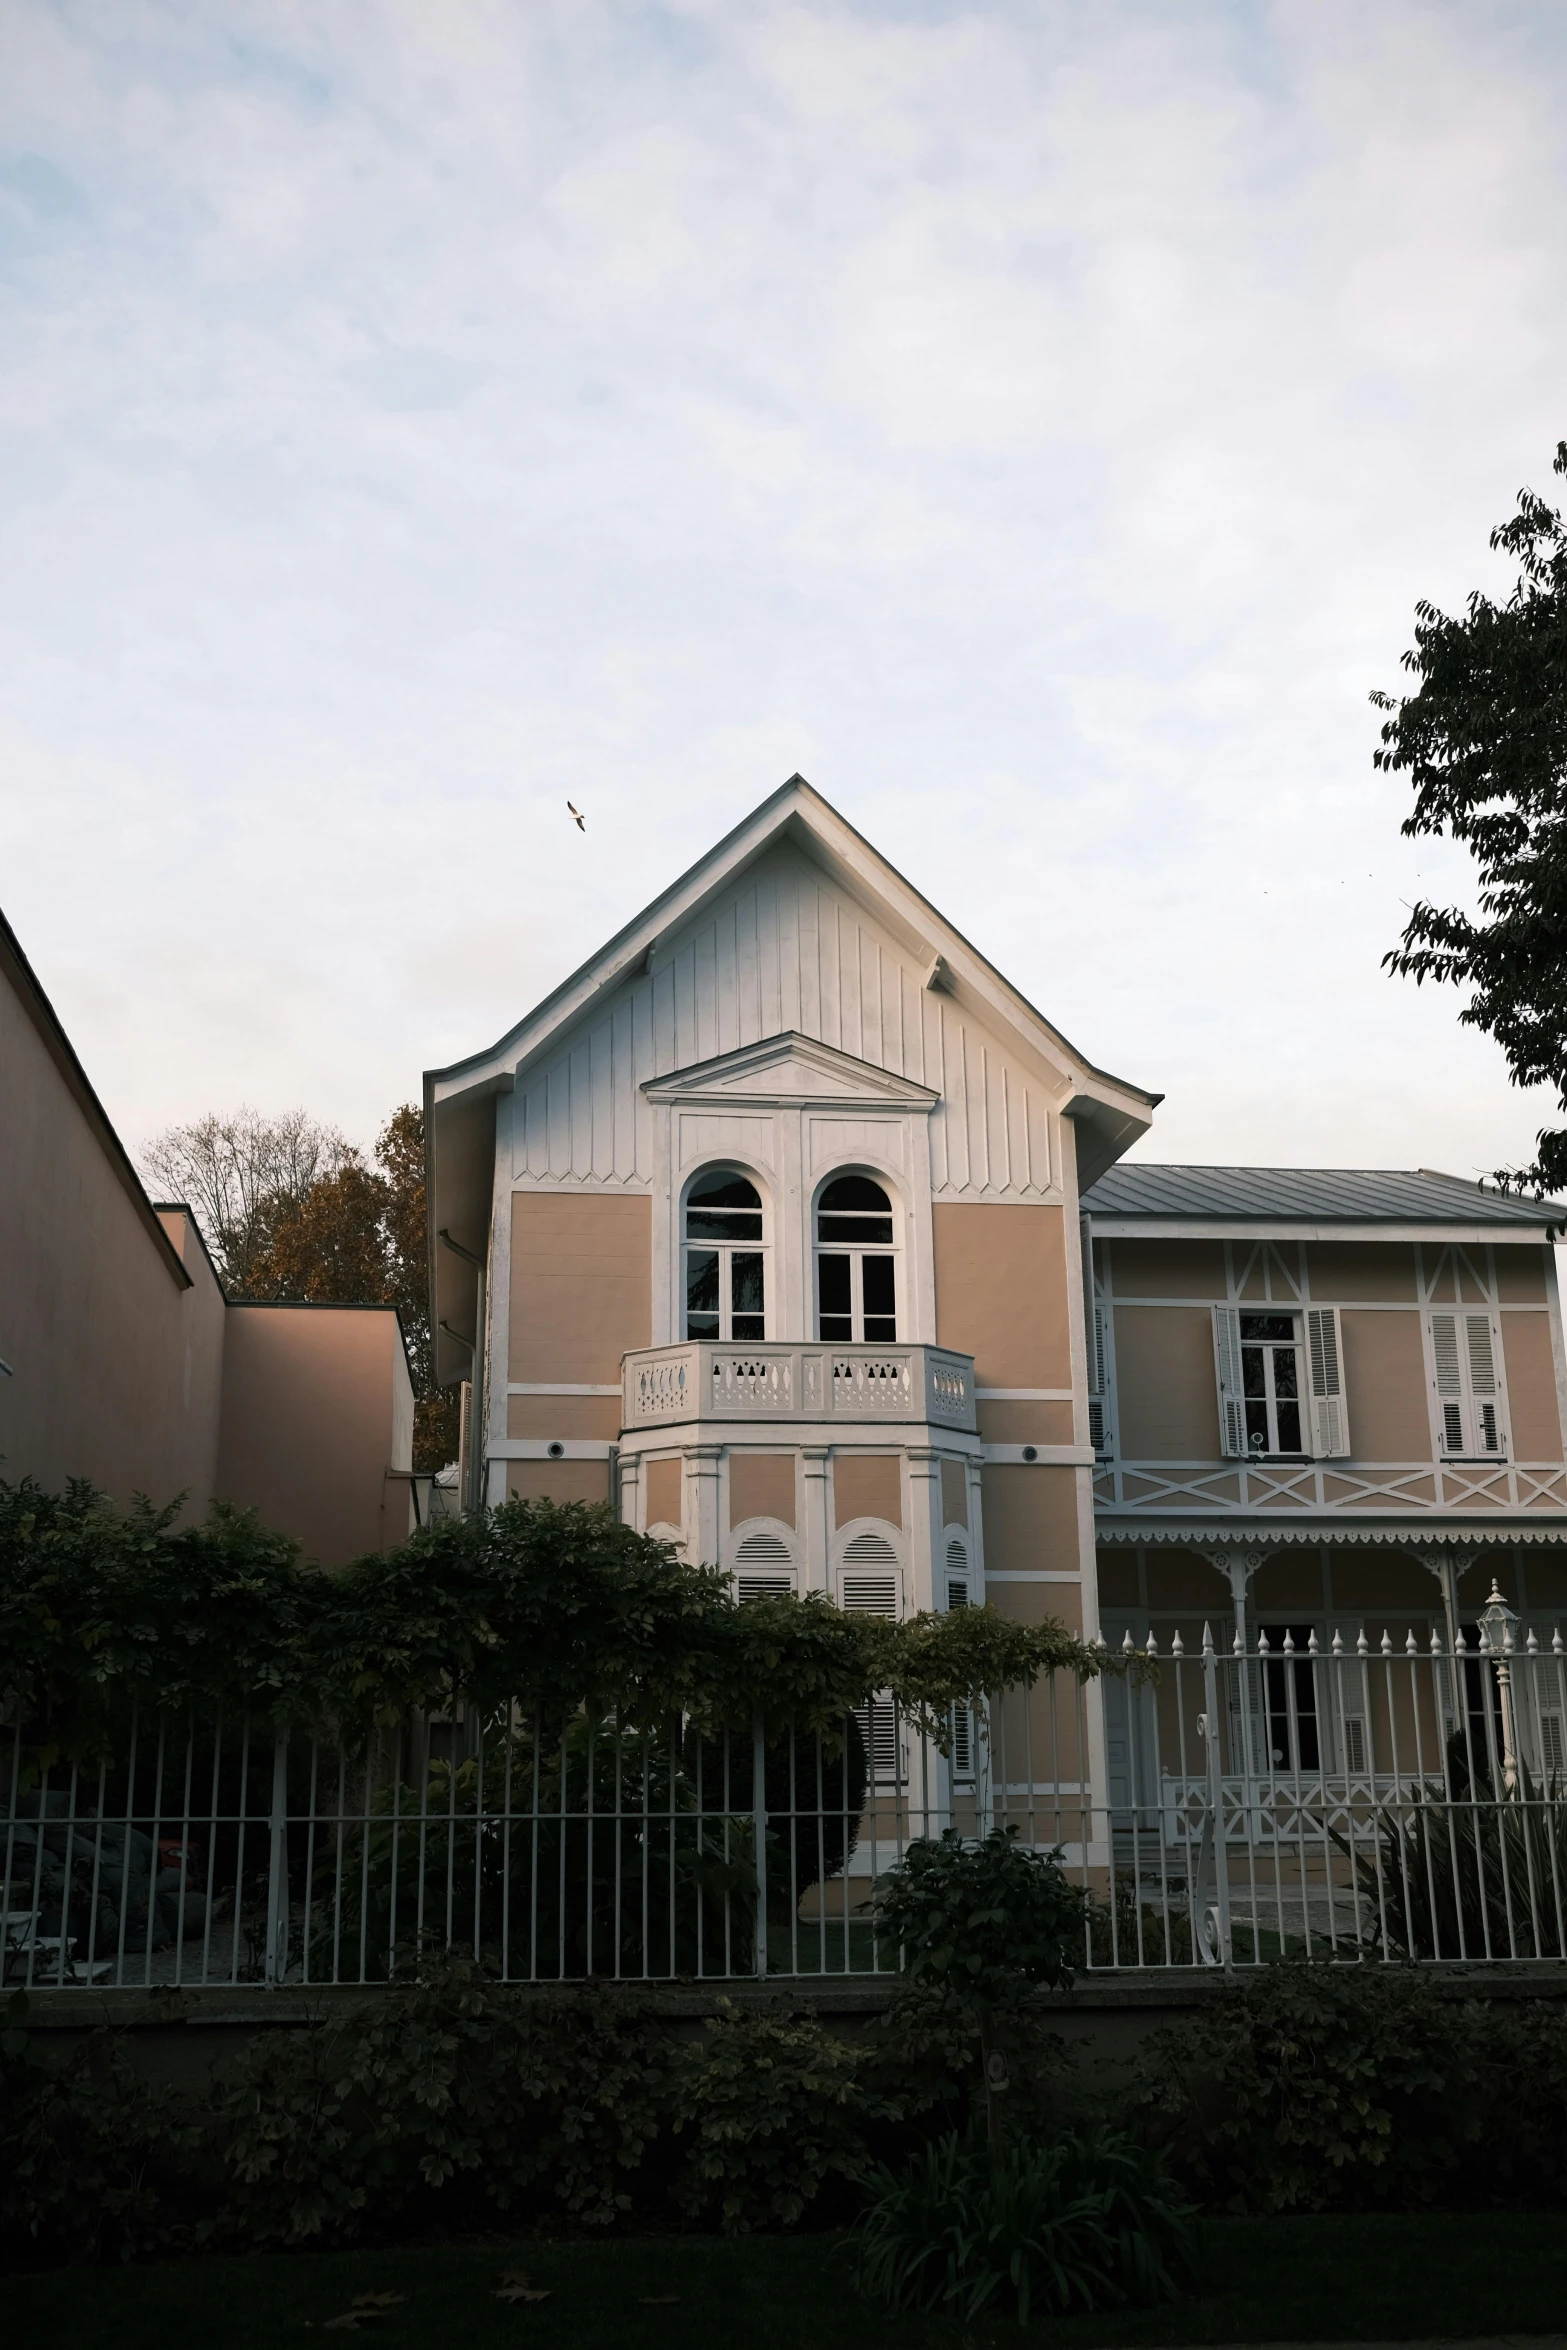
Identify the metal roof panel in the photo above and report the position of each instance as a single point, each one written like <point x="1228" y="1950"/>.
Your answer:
<point x="1317" y="1195"/>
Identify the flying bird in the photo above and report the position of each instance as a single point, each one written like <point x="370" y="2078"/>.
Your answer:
<point x="581" y="827"/>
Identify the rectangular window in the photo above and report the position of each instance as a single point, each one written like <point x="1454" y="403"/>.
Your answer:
<point x="1270" y="1382"/>
<point x="835" y="1300"/>
<point x="746" y="1318"/>
<point x="1468" y="1390"/>
<point x="881" y="1309"/>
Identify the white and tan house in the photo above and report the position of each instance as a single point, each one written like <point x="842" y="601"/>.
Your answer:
<point x="790" y="1228"/>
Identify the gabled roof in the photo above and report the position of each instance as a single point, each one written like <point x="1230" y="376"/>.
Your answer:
<point x="459" y="1100"/>
<point x="1310" y="1195"/>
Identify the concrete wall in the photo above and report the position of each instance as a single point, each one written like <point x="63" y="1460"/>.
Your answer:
<point x="317" y="1409"/>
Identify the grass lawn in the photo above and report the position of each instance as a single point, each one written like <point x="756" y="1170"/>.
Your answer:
<point x="1268" y="2280"/>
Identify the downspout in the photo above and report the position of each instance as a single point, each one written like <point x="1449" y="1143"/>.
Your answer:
<point x="473" y="1500"/>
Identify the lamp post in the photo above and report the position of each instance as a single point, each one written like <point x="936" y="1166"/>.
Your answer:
<point x="1496" y="1630"/>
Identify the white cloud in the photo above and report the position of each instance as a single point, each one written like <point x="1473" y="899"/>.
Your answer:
<point x="1035" y="423"/>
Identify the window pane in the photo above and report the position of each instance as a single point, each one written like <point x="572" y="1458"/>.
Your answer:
<point x="1289" y="1427"/>
<point x="1267" y="1328"/>
<point x="1256" y="1425"/>
<point x="869" y="1228"/>
<point x="832" y="1291"/>
<point x="880" y="1300"/>
<point x="1253" y="1379"/>
<point x="722" y="1189"/>
<point x="745" y="1289"/>
<point x="855" y="1191"/>
<point x="722" y="1224"/>
<point x="701" y="1293"/>
<point x="1286" y="1371"/>
<point x="837" y="1326"/>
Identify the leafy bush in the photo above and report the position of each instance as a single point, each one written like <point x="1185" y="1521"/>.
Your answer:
<point x="95" y="2164"/>
<point x="1453" y="1876"/>
<point x="773" y="2107"/>
<point x="1088" y="2221"/>
<point x="1318" y="2088"/>
<point x="515" y="2098"/>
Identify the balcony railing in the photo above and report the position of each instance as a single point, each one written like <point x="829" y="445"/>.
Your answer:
<point x="666" y="1385"/>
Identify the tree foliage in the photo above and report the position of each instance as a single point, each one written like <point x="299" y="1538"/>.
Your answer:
<point x="101" y="1609"/>
<point x="1484" y="740"/>
<point x="238" y="1173"/>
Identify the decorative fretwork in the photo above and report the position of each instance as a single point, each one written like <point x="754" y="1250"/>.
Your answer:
<point x="1329" y="1488"/>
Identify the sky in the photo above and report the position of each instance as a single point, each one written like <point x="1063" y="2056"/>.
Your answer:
<point x="1035" y="423"/>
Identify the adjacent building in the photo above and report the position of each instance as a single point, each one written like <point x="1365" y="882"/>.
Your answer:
<point x="125" y="1364"/>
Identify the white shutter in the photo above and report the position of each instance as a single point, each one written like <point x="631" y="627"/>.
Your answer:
<point x="1232" y="1404"/>
<point x="1325" y="1383"/>
<point x="871" y="1594"/>
<point x="764" y="1567"/>
<point x="962" y="1715"/>
<point x="1468" y="1388"/>
<point x="1484" y="1386"/>
<point x="1099" y="1389"/>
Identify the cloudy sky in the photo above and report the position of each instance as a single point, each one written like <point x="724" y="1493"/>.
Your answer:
<point x="1035" y="422"/>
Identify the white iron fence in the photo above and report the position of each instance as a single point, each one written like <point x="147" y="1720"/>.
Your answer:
<point x="1216" y="1806"/>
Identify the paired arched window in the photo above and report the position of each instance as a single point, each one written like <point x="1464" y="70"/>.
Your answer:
<point x="856" y="1263"/>
<point x="724" y="1261"/>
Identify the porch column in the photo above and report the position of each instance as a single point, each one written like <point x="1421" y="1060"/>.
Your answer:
<point x="702" y="1533"/>
<point x="814" y="1460"/>
<point x="1238" y="1568"/>
<point x="630" y="1497"/>
<point x="924" y="1523"/>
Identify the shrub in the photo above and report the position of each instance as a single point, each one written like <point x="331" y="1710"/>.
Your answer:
<point x="774" y="2106"/>
<point x="95" y="2164"/>
<point x="1313" y="2087"/>
<point x="1088" y="2221"/>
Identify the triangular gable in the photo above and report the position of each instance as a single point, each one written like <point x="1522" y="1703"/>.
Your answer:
<point x="791" y="1071"/>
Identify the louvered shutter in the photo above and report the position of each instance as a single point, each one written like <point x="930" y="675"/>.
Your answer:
<point x="1484" y="1386"/>
<point x="863" y="1591"/>
<point x="1098" y="1389"/>
<point x="1325" y="1383"/>
<point x="1232" y="1404"/>
<point x="764" y="1567"/>
<point x="962" y="1715"/>
<point x="1468" y="1387"/>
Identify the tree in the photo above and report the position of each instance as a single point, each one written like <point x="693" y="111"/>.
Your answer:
<point x="236" y="1172"/>
<point x="1484" y="740"/>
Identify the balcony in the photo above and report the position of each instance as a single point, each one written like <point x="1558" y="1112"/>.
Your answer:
<point x="666" y="1385"/>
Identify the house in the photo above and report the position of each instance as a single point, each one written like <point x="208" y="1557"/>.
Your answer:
<point x="788" y="1227"/>
<point x="124" y="1362"/>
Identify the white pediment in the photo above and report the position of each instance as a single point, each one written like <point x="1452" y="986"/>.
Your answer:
<point x="791" y="1071"/>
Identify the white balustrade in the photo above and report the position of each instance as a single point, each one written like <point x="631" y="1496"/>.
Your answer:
<point x="702" y="1381"/>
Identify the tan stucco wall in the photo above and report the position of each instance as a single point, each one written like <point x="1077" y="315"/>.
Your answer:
<point x="1030" y="1518"/>
<point x="1026" y="1423"/>
<point x="558" y="1480"/>
<point x="867" y="1485"/>
<point x="1531" y="1387"/>
<point x="1166" y="1389"/>
<point x="665" y="1493"/>
<point x="312" y="1420"/>
<point x="761" y="1485"/>
<point x="1371" y="1269"/>
<point x="954" y="1493"/>
<point x="1385" y="1387"/>
<point x="581" y="1284"/>
<point x="1520" y="1276"/>
<point x="1001" y="1291"/>
<point x="1167" y="1268"/>
<point x="112" y="1356"/>
<point x="565" y="1416"/>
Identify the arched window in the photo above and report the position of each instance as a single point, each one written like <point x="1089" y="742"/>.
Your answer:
<point x="856" y="1265"/>
<point x="725" y="1264"/>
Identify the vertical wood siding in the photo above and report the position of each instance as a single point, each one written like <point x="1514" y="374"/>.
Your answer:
<point x="782" y="950"/>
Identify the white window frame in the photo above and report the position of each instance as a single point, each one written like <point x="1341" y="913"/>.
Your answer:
<point x="857" y="1251"/>
<point x="725" y="1251"/>
<point x="1319" y="1380"/>
<point x="1468" y="1386"/>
